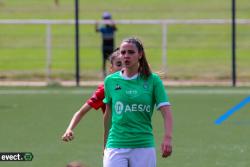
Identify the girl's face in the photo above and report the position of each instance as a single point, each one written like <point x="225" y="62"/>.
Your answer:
<point x="116" y="64"/>
<point x="130" y="55"/>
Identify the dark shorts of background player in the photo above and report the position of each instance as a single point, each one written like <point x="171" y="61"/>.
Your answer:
<point x="107" y="48"/>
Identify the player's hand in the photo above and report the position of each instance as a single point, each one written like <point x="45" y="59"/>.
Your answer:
<point x="166" y="147"/>
<point x="68" y="136"/>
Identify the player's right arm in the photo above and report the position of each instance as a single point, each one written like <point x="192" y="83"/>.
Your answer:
<point x="69" y="134"/>
<point x="93" y="102"/>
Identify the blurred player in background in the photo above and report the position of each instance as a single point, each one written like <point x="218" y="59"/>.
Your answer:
<point x="75" y="164"/>
<point x="130" y="97"/>
<point x="96" y="101"/>
<point x="107" y="28"/>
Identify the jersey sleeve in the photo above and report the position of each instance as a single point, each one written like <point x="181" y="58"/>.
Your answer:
<point x="107" y="98"/>
<point x="160" y="94"/>
<point x="96" y="101"/>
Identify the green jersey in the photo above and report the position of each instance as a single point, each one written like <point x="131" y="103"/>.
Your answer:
<point x="132" y="101"/>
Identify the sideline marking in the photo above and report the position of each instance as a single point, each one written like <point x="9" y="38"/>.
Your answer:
<point x="232" y="111"/>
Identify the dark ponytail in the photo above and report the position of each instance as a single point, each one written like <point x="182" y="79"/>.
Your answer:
<point x="144" y="69"/>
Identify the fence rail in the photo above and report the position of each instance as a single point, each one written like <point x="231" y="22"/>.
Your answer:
<point x="169" y="21"/>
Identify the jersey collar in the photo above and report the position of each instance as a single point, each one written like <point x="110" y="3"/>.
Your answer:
<point x="128" y="78"/>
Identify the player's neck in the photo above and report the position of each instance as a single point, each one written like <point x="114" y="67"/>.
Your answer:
<point x="128" y="72"/>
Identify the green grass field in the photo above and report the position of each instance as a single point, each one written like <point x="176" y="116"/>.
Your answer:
<point x="33" y="120"/>
<point x="195" y="52"/>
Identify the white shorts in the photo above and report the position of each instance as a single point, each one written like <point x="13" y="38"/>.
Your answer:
<point x="131" y="157"/>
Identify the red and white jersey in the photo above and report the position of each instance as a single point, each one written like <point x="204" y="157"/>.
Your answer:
<point x="96" y="100"/>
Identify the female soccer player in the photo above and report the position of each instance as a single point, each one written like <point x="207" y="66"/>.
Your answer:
<point x="130" y="97"/>
<point x="96" y="101"/>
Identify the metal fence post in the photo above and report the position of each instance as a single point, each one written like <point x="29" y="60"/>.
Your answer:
<point x="234" y="73"/>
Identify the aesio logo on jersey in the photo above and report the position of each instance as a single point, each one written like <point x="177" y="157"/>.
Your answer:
<point x="120" y="107"/>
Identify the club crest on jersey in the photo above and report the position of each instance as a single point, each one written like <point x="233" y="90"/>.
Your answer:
<point x="118" y="87"/>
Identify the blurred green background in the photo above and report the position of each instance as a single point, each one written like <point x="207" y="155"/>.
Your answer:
<point x="194" y="52"/>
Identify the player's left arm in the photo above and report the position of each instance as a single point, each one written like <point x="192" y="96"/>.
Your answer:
<point x="166" y="146"/>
